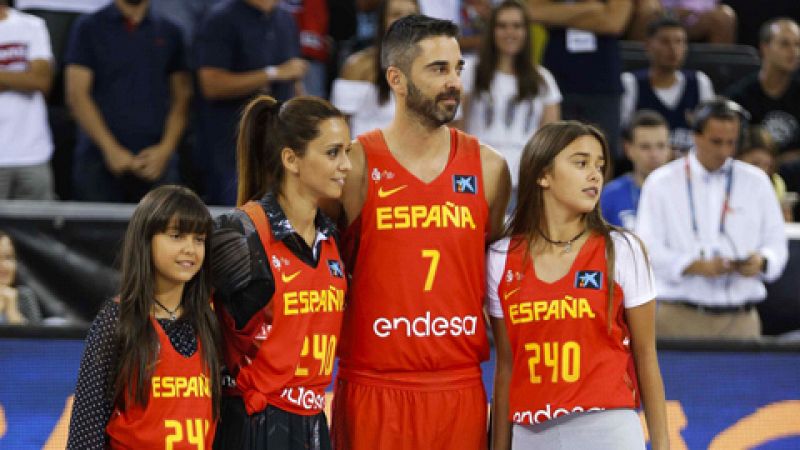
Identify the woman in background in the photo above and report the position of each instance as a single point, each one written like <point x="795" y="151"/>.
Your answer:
<point x="361" y="91"/>
<point x="509" y="97"/>
<point x="18" y="304"/>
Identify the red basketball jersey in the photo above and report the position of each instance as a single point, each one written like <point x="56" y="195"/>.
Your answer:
<point x="286" y="354"/>
<point x="178" y="414"/>
<point x="564" y="358"/>
<point x="418" y="271"/>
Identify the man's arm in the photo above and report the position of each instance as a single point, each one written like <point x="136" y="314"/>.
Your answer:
<point x="79" y="99"/>
<point x="355" y="185"/>
<point x="497" y="184"/>
<point x="652" y="227"/>
<point x="38" y="77"/>
<point x="774" y="246"/>
<point x="150" y="163"/>
<point x="610" y="17"/>
<point x="217" y="83"/>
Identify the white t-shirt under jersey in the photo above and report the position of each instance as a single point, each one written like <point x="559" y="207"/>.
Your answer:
<point x="24" y="132"/>
<point x="632" y="272"/>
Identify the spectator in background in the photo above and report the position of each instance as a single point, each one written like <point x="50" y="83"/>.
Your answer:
<point x="714" y="231"/>
<point x="187" y="15"/>
<point x="772" y="96"/>
<point x="243" y="47"/>
<point x="18" y="303"/>
<point x="758" y="149"/>
<point x="510" y="97"/>
<point x="129" y="90"/>
<point x="705" y="20"/>
<point x="583" y="54"/>
<point x="665" y="87"/>
<point x="473" y="23"/>
<point x="25" y="76"/>
<point x="646" y="143"/>
<point x="361" y="91"/>
<point x="312" y="18"/>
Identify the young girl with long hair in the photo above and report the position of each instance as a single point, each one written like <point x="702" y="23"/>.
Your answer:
<point x="149" y="374"/>
<point x="571" y="300"/>
<point x="279" y="279"/>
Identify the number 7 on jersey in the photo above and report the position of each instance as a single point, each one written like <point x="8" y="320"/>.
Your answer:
<point x="434" y="256"/>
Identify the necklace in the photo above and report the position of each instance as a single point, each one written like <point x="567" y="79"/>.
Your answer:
<point x="567" y="244"/>
<point x="172" y="314"/>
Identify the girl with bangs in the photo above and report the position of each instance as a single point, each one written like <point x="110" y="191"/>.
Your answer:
<point x="149" y="373"/>
<point x="571" y="301"/>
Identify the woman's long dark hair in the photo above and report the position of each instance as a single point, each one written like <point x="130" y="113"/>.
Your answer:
<point x="528" y="218"/>
<point x="267" y="127"/>
<point x="137" y="342"/>
<point x="528" y="78"/>
<point x="380" y="74"/>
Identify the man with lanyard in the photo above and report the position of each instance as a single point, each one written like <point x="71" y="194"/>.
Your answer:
<point x="714" y="232"/>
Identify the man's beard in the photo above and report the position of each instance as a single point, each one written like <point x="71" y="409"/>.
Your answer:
<point x="427" y="109"/>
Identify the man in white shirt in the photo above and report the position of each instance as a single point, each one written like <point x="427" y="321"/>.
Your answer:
<point x="714" y="231"/>
<point x="25" y="75"/>
<point x="664" y="86"/>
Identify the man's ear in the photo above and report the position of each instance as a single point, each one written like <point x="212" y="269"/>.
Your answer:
<point x="397" y="80"/>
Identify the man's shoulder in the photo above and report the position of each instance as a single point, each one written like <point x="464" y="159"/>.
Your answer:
<point x="21" y="18"/>
<point x="745" y="87"/>
<point x="751" y="172"/>
<point x="665" y="173"/>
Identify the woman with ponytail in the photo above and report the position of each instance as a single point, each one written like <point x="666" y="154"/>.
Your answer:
<point x="571" y="305"/>
<point x="278" y="277"/>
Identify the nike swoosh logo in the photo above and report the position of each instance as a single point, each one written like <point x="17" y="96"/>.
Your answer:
<point x="384" y="194"/>
<point x="289" y="278"/>
<point x="510" y="293"/>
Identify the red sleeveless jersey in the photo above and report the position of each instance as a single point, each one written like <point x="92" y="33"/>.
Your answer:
<point x="178" y="414"/>
<point x="564" y="359"/>
<point x="285" y="355"/>
<point x="417" y="290"/>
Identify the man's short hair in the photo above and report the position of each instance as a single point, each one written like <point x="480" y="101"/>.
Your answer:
<point x="661" y="22"/>
<point x="644" y="118"/>
<point x="765" y="32"/>
<point x="399" y="46"/>
<point x="720" y="108"/>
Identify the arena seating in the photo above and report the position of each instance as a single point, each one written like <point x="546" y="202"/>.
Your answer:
<point x="724" y="64"/>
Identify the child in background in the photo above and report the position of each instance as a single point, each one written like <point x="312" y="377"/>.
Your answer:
<point x="149" y="374"/>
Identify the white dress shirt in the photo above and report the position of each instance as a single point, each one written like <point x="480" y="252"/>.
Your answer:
<point x="753" y="223"/>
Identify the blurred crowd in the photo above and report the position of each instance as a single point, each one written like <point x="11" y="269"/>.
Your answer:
<point x="103" y="99"/>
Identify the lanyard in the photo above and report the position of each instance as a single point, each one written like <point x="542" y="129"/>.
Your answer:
<point x="725" y="202"/>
